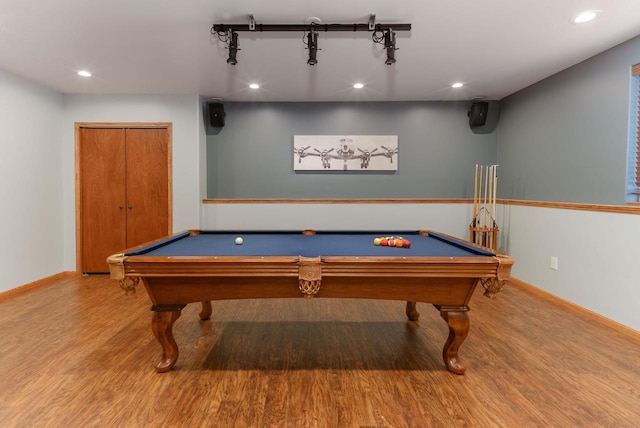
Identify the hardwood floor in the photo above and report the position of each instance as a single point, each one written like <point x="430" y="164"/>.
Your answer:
<point x="79" y="353"/>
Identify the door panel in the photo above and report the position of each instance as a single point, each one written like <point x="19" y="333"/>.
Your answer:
<point x="102" y="194"/>
<point x="147" y="184"/>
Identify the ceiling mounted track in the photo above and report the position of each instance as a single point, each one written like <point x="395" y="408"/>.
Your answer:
<point x="384" y="34"/>
<point x="254" y="27"/>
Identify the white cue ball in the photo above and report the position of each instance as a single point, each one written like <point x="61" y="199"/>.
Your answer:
<point x="239" y="241"/>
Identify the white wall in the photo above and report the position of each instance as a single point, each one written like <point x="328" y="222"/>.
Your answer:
<point x="183" y="111"/>
<point x="598" y="257"/>
<point x="31" y="190"/>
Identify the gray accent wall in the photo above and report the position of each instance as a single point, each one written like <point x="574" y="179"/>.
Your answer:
<point x="564" y="139"/>
<point x="252" y="155"/>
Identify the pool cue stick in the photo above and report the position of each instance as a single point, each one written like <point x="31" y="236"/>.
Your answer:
<point x="493" y="207"/>
<point x="486" y="180"/>
<point x="493" y="179"/>
<point x="475" y="194"/>
<point x="495" y="195"/>
<point x="490" y="194"/>
<point x="477" y="210"/>
<point x="489" y="226"/>
<point x="489" y="214"/>
<point x="472" y="236"/>
<point x="479" y="215"/>
<point x="488" y="207"/>
<point x="495" y="192"/>
<point x="476" y="235"/>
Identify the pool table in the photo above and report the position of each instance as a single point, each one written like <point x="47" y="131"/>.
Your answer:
<point x="200" y="266"/>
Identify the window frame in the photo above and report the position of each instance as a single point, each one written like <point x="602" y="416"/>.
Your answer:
<point x="633" y="174"/>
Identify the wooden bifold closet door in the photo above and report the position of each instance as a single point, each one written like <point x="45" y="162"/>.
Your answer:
<point x="124" y="191"/>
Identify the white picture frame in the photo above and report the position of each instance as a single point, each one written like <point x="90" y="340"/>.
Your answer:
<point x="345" y="153"/>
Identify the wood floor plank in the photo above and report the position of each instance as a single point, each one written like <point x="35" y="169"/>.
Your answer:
<point x="79" y="353"/>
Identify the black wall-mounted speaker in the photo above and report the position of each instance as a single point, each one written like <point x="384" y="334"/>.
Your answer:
<point x="478" y="113"/>
<point x="216" y="114"/>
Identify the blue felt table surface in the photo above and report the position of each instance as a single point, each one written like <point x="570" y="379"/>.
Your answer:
<point x="296" y="244"/>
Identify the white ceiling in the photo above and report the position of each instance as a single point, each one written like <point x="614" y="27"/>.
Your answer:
<point x="496" y="47"/>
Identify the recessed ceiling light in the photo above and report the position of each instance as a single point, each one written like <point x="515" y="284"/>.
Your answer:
<point x="586" y="16"/>
<point x="457" y="85"/>
<point x="254" y="86"/>
<point x="358" y="85"/>
<point x="84" y="73"/>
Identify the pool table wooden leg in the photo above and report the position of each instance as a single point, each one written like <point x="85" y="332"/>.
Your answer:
<point x="206" y="311"/>
<point x="458" y="321"/>
<point x="162" y="325"/>
<point x="411" y="311"/>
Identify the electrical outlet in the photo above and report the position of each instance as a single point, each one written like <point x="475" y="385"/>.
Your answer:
<point x="553" y="263"/>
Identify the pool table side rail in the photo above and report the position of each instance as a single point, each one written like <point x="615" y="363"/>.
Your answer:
<point x="125" y="264"/>
<point x="120" y="265"/>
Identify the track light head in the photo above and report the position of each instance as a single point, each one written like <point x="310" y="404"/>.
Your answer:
<point x="233" y="48"/>
<point x="390" y="46"/>
<point x="312" y="45"/>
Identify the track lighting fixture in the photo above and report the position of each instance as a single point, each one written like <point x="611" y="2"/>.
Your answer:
<point x="390" y="46"/>
<point x="230" y="38"/>
<point x="233" y="48"/>
<point x="382" y="34"/>
<point x="312" y="45"/>
<point x="388" y="39"/>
